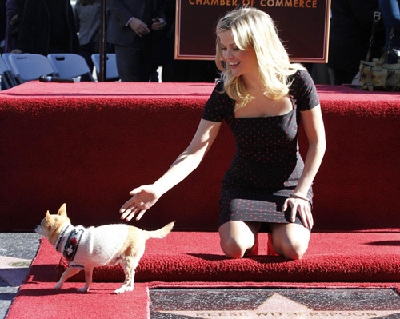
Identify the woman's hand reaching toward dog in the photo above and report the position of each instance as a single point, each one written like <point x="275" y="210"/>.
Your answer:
<point x="144" y="197"/>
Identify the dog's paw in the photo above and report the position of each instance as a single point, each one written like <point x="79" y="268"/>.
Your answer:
<point x="58" y="286"/>
<point x="83" y="290"/>
<point x="124" y="289"/>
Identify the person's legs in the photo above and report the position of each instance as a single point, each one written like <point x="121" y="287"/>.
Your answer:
<point x="238" y="237"/>
<point x="133" y="63"/>
<point x="86" y="52"/>
<point x="290" y="240"/>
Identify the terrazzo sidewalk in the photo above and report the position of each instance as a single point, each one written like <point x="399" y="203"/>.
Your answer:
<point x="16" y="253"/>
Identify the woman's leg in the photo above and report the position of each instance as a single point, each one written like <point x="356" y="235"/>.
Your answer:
<point x="238" y="237"/>
<point x="290" y="240"/>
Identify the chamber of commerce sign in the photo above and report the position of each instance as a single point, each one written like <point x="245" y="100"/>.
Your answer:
<point x="303" y="26"/>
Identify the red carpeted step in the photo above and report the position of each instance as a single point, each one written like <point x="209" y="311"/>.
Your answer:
<point x="99" y="140"/>
<point x="192" y="256"/>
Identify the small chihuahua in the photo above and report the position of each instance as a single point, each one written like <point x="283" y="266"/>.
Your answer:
<point x="86" y="248"/>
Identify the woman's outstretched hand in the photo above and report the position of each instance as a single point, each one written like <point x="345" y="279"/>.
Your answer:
<point x="143" y="198"/>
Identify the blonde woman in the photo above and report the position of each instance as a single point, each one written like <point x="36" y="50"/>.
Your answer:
<point x="263" y="98"/>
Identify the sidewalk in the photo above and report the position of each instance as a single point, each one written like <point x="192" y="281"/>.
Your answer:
<point x="16" y="253"/>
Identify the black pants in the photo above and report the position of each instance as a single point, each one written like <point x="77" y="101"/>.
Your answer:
<point x="86" y="52"/>
<point x="134" y="62"/>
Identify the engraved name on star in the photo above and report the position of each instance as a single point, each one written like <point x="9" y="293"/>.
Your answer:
<point x="278" y="306"/>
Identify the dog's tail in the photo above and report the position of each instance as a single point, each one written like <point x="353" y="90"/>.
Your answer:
<point x="162" y="232"/>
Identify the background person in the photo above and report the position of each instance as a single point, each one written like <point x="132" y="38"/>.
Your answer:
<point x="391" y="18"/>
<point x="87" y="24"/>
<point x="14" y="12"/>
<point x="131" y="29"/>
<point x="3" y="25"/>
<point x="47" y="26"/>
<point x="350" y="34"/>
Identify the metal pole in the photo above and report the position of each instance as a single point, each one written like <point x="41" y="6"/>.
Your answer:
<point x="103" y="40"/>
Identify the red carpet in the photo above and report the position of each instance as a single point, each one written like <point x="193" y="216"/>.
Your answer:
<point x="89" y="144"/>
<point x="78" y="143"/>
<point x="37" y="299"/>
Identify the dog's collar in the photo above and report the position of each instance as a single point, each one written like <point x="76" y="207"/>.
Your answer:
<point x="72" y="244"/>
<point x="60" y="238"/>
<point x="68" y="241"/>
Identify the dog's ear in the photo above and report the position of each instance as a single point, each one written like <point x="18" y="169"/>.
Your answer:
<point x="48" y="217"/>
<point x="63" y="210"/>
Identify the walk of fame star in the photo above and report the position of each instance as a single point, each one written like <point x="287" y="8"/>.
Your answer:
<point x="279" y="306"/>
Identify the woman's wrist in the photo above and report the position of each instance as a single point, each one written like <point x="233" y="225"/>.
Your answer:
<point x="160" y="187"/>
<point x="300" y="196"/>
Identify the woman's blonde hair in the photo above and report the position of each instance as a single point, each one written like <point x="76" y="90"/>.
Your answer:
<point x="254" y="29"/>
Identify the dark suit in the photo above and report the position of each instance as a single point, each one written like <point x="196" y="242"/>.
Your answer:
<point x="47" y="26"/>
<point x="133" y="53"/>
<point x="350" y="31"/>
<point x="391" y="18"/>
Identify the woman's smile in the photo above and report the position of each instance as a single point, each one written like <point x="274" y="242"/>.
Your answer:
<point x="239" y="61"/>
<point x="233" y="65"/>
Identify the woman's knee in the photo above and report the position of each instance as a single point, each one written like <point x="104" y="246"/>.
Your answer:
<point x="293" y="251"/>
<point x="235" y="247"/>
<point x="237" y="238"/>
<point x="290" y="240"/>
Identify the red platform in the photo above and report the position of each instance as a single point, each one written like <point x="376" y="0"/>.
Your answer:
<point x="89" y="144"/>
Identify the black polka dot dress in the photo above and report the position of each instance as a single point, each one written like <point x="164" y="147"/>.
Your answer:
<point x="267" y="165"/>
